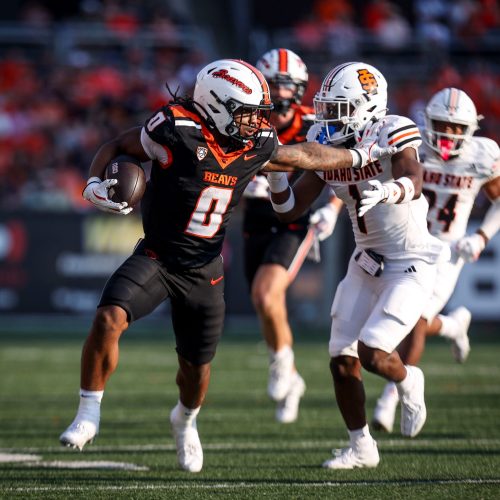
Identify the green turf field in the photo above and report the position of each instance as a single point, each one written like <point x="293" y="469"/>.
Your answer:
<point x="247" y="454"/>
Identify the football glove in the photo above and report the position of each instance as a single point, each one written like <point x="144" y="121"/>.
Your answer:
<point x="368" y="148"/>
<point x="96" y="192"/>
<point x="371" y="197"/>
<point x="470" y="247"/>
<point x="323" y="221"/>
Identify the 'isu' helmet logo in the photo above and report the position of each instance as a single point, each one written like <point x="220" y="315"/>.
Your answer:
<point x="368" y="82"/>
<point x="223" y="73"/>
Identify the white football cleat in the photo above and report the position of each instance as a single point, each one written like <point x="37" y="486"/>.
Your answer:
<point x="385" y="410"/>
<point x="79" y="433"/>
<point x="350" y="458"/>
<point x="187" y="442"/>
<point x="413" y="410"/>
<point x="280" y="377"/>
<point x="287" y="410"/>
<point x="460" y="346"/>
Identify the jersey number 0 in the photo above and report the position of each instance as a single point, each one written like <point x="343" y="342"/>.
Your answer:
<point x="208" y="214"/>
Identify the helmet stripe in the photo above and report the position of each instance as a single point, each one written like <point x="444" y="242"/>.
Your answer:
<point x="453" y="100"/>
<point x="260" y="76"/>
<point x="282" y="60"/>
<point x="333" y="73"/>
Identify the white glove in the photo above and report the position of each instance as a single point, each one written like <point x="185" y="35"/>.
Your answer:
<point x="373" y="196"/>
<point x="470" y="247"/>
<point x="323" y="221"/>
<point x="368" y="147"/>
<point x="96" y="192"/>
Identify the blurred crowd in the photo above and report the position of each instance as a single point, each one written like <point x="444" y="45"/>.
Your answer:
<point x="60" y="101"/>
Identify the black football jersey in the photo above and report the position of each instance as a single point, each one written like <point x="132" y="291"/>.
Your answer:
<point x="259" y="213"/>
<point x="190" y="198"/>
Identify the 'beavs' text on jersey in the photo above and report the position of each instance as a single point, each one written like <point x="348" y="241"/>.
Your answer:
<point x="192" y="193"/>
<point x="259" y="213"/>
<point x="452" y="186"/>
<point x="395" y="231"/>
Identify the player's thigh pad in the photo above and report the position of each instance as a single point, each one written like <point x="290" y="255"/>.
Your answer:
<point x="446" y="281"/>
<point x="137" y="286"/>
<point x="401" y="299"/>
<point x="351" y="307"/>
<point x="198" y="318"/>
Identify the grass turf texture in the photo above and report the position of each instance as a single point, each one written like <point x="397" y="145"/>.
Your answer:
<point x="247" y="453"/>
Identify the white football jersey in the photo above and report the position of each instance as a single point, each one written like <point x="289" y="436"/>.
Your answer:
<point x="452" y="186"/>
<point x="396" y="231"/>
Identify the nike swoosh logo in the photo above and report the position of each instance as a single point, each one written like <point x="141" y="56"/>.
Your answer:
<point x="214" y="282"/>
<point x="249" y="157"/>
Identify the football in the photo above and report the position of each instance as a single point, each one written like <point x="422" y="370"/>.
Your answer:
<point x="131" y="179"/>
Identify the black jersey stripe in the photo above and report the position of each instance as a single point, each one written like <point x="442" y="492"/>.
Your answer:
<point x="397" y="131"/>
<point x="406" y="141"/>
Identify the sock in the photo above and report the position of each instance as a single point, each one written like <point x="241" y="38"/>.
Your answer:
<point x="183" y="414"/>
<point x="90" y="406"/>
<point x="407" y="383"/>
<point x="390" y="390"/>
<point x="357" y="437"/>
<point x="448" y="327"/>
<point x="283" y="353"/>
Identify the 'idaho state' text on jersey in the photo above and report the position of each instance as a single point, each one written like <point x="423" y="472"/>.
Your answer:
<point x="191" y="196"/>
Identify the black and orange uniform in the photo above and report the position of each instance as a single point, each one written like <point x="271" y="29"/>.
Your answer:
<point x="266" y="239"/>
<point x="185" y="211"/>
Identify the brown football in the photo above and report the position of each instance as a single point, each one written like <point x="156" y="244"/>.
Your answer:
<point x="131" y="179"/>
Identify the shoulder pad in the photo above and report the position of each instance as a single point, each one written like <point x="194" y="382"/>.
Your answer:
<point x="400" y="132"/>
<point x="160" y="126"/>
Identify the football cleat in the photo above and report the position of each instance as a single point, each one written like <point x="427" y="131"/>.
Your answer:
<point x="385" y="410"/>
<point x="460" y="346"/>
<point x="79" y="433"/>
<point x="281" y="376"/>
<point x="187" y="442"/>
<point x="413" y="410"/>
<point x="350" y="458"/>
<point x="287" y="410"/>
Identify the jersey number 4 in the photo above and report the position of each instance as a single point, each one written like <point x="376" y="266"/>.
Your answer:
<point x="446" y="214"/>
<point x="209" y="212"/>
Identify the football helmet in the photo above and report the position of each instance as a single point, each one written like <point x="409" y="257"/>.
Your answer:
<point x="226" y="89"/>
<point x="351" y="95"/>
<point x="452" y="106"/>
<point x="282" y="67"/>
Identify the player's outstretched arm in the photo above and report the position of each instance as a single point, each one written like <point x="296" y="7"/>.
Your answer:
<point x="470" y="246"/>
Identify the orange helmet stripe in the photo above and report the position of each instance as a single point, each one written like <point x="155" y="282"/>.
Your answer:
<point x="453" y="100"/>
<point x="282" y="60"/>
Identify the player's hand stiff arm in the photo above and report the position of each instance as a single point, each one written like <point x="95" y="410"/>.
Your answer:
<point x="97" y="192"/>
<point x="314" y="156"/>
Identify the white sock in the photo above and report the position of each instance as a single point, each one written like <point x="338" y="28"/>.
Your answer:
<point x="407" y="383"/>
<point x="448" y="328"/>
<point x="183" y="414"/>
<point x="358" y="437"/>
<point x="90" y="405"/>
<point x="390" y="390"/>
<point x="284" y="353"/>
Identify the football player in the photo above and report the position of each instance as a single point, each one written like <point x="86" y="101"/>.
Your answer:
<point x="457" y="166"/>
<point x="204" y="151"/>
<point x="274" y="251"/>
<point x="395" y="256"/>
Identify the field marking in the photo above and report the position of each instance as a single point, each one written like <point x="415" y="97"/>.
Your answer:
<point x="382" y="444"/>
<point x="196" y="486"/>
<point x="17" y="457"/>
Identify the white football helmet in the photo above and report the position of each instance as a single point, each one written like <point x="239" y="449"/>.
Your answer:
<point x="351" y="95"/>
<point x="452" y="106"/>
<point x="282" y="67"/>
<point x="226" y="87"/>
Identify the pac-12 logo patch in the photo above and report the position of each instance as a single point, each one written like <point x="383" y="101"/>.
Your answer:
<point x="368" y="81"/>
<point x="201" y="152"/>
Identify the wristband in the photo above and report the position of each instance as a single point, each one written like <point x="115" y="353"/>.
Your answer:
<point x="408" y="189"/>
<point x="278" y="181"/>
<point x="357" y="159"/>
<point x="281" y="208"/>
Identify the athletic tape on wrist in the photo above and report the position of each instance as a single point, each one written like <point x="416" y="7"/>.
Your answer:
<point x="408" y="189"/>
<point x="284" y="207"/>
<point x="357" y="158"/>
<point x="392" y="192"/>
<point x="278" y="181"/>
